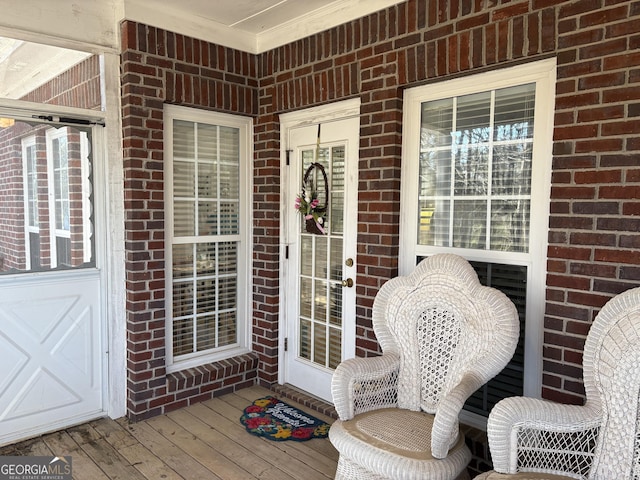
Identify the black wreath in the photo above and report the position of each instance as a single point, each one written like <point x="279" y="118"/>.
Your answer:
<point x="321" y="209"/>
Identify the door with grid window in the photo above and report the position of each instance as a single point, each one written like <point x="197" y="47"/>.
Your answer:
<point x="320" y="273"/>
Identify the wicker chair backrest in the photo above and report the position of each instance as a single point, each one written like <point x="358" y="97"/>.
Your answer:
<point x="443" y="324"/>
<point x="611" y="363"/>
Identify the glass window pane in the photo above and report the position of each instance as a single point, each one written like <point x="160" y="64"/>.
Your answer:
<point x="206" y="333"/>
<point x="336" y="259"/>
<point x="205" y="259"/>
<point x="229" y="213"/>
<point x="434" y="226"/>
<point x="470" y="224"/>
<point x="335" y="302"/>
<point x="227" y="258"/>
<point x="436" y="124"/>
<point x="183" y="140"/>
<point x="229" y="181"/>
<point x="321" y="256"/>
<point x="184" y="179"/>
<point x="305" y="339"/>
<point x="513" y="118"/>
<point x="510" y="225"/>
<point x="472" y="170"/>
<point x="335" y="347"/>
<point x="305" y="297"/>
<point x="227" y="293"/>
<point x="206" y="205"/>
<point x="182" y="336"/>
<point x="184" y="218"/>
<point x="207" y="180"/>
<point x="182" y="298"/>
<point x="435" y="173"/>
<point x="473" y="116"/>
<point x="320" y="344"/>
<point x="182" y="257"/>
<point x="335" y="220"/>
<point x="492" y="171"/>
<point x="207" y="142"/>
<point x="207" y="218"/>
<point x="206" y="295"/>
<point x="306" y="255"/>
<point x="320" y="304"/>
<point x="227" y="329"/>
<point x="337" y="168"/>
<point x="512" y="169"/>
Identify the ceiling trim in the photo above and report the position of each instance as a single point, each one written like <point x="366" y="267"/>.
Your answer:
<point x="193" y="25"/>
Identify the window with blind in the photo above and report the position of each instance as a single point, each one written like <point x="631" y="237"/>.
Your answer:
<point x="207" y="159"/>
<point x="476" y="182"/>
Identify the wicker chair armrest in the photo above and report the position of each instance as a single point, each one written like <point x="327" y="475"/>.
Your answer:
<point x="528" y="434"/>
<point x="363" y="384"/>
<point x="445" y="424"/>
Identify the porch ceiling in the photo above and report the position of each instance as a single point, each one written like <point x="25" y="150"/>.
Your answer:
<point x="254" y="26"/>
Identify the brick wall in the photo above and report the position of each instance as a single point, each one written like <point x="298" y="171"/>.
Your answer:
<point x="77" y="87"/>
<point x="595" y="210"/>
<point x="593" y="251"/>
<point x="160" y="67"/>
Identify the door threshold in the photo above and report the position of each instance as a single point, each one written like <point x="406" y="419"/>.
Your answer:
<point x="304" y="398"/>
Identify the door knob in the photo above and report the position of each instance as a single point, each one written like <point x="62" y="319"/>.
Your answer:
<point x="347" y="283"/>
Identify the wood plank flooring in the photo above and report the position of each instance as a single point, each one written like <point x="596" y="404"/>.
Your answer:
<point x="200" y="442"/>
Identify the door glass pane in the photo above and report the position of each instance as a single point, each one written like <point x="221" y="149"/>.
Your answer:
<point x="336" y="211"/>
<point x="321" y="267"/>
<point x="46" y="197"/>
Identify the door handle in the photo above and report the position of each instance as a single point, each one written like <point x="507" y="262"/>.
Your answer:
<point x="347" y="283"/>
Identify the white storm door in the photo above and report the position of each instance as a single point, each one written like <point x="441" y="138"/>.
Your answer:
<point x="319" y="272"/>
<point x="52" y="324"/>
<point x="50" y="344"/>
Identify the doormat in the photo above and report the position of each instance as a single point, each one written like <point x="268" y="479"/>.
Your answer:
<point x="271" y="418"/>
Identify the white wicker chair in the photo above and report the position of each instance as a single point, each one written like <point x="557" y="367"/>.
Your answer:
<point x="443" y="335"/>
<point x="537" y="439"/>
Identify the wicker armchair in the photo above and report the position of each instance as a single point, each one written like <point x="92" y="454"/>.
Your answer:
<point x="443" y="335"/>
<point x="536" y="439"/>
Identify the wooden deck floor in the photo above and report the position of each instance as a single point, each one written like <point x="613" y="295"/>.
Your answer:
<point x="203" y="441"/>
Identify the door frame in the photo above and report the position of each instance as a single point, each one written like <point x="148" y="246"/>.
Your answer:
<point x="303" y="118"/>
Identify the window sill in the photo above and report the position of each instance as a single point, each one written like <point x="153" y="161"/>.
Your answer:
<point x="223" y="371"/>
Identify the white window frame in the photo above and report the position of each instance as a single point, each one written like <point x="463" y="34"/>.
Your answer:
<point x="245" y="126"/>
<point x="543" y="74"/>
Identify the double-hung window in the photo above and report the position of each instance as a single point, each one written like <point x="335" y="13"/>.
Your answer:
<point x="476" y="176"/>
<point x="207" y="177"/>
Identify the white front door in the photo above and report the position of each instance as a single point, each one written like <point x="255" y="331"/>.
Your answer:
<point x="319" y="264"/>
<point x="52" y="332"/>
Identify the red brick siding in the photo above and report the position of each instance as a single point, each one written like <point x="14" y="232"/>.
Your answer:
<point x="77" y="87"/>
<point x="593" y="251"/>
<point x="593" y="240"/>
<point x="160" y="67"/>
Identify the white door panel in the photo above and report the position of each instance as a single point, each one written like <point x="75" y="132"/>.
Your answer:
<point x="318" y="308"/>
<point x="50" y="338"/>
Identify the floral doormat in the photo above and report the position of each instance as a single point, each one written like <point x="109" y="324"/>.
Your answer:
<point x="276" y="420"/>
